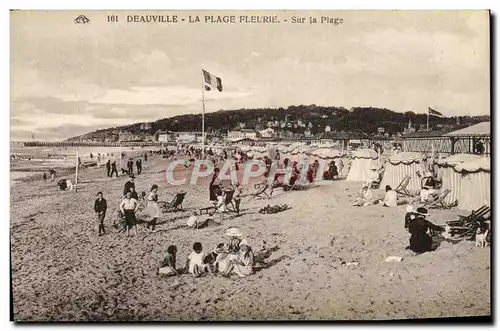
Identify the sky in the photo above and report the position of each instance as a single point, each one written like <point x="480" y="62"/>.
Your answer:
<point x="68" y="79"/>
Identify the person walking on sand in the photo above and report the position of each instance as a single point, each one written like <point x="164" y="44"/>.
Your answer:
<point x="100" y="207"/>
<point x="145" y="157"/>
<point x="130" y="166"/>
<point x="113" y="169"/>
<point x="108" y="168"/>
<point x="138" y="164"/>
<point x="52" y="173"/>
<point x="128" y="207"/>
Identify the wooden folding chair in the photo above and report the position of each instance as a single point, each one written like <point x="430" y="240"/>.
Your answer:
<point x="403" y="187"/>
<point x="262" y="191"/>
<point x="439" y="201"/>
<point x="175" y="204"/>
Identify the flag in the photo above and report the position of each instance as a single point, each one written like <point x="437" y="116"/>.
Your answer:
<point x="434" y="112"/>
<point x="211" y="81"/>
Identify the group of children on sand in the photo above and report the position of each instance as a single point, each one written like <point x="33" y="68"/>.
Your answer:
<point x="234" y="257"/>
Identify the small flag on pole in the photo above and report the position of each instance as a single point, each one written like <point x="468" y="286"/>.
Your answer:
<point x="435" y="113"/>
<point x="211" y="81"/>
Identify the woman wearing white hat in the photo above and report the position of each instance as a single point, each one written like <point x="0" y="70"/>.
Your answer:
<point x="231" y="250"/>
<point x="242" y="264"/>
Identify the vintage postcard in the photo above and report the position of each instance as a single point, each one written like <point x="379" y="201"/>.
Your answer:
<point x="250" y="165"/>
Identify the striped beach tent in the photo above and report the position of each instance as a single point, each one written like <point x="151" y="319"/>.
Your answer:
<point x="400" y="165"/>
<point x="362" y="162"/>
<point x="451" y="179"/>
<point x="475" y="184"/>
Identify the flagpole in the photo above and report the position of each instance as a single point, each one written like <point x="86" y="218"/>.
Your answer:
<point x="203" y="115"/>
<point x="427" y="119"/>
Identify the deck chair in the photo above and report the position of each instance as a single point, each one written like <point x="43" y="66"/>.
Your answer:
<point x="228" y="202"/>
<point x="439" y="201"/>
<point x="403" y="187"/>
<point x="175" y="204"/>
<point x="473" y="217"/>
<point x="300" y="184"/>
<point x="262" y="191"/>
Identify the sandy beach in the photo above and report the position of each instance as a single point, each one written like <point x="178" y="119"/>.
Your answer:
<point x="62" y="271"/>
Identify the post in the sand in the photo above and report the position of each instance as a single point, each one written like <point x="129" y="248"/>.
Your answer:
<point x="76" y="172"/>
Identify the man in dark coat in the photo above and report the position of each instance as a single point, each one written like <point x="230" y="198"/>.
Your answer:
<point x="138" y="164"/>
<point x="113" y="169"/>
<point x="108" y="167"/>
<point x="130" y="183"/>
<point x="100" y="207"/>
<point x="130" y="166"/>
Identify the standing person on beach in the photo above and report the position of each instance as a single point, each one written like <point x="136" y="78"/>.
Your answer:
<point x="108" y="167"/>
<point x="130" y="166"/>
<point x="145" y="157"/>
<point x="138" y="164"/>
<point x="52" y="173"/>
<point x="153" y="208"/>
<point x="113" y="169"/>
<point x="214" y="185"/>
<point x="129" y="207"/>
<point x="129" y="184"/>
<point x="100" y="207"/>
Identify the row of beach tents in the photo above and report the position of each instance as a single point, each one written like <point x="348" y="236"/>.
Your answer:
<point x="467" y="176"/>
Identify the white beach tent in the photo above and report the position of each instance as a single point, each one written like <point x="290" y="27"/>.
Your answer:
<point x="475" y="184"/>
<point x="450" y="177"/>
<point x="362" y="161"/>
<point x="400" y="165"/>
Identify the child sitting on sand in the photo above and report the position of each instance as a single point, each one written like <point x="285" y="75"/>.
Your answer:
<point x="243" y="264"/>
<point x="194" y="262"/>
<point x="196" y="221"/>
<point x="364" y="197"/>
<point x="211" y="260"/>
<point x="167" y="266"/>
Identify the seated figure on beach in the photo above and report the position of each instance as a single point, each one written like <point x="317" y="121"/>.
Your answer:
<point x="430" y="187"/>
<point x="167" y="266"/>
<point x="211" y="260"/>
<point x="230" y="251"/>
<point x="242" y="264"/>
<point x="364" y="197"/>
<point x="65" y="185"/>
<point x="420" y="241"/>
<point x="194" y="262"/>
<point x="391" y="197"/>
<point x="332" y="172"/>
<point x="196" y="221"/>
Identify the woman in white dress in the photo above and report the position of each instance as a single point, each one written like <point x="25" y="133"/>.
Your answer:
<point x="153" y="208"/>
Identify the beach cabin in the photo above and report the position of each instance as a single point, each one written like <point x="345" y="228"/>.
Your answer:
<point x="475" y="184"/>
<point x="362" y="163"/>
<point x="400" y="165"/>
<point x="451" y="179"/>
<point x="325" y="156"/>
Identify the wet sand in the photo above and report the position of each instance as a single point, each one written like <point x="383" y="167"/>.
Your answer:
<point x="62" y="271"/>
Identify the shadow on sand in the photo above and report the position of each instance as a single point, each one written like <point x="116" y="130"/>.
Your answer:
<point x="261" y="256"/>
